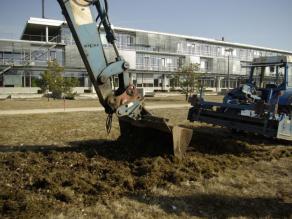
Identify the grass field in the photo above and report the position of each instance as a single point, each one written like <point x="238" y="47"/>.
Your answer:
<point x="65" y="165"/>
<point x="43" y="103"/>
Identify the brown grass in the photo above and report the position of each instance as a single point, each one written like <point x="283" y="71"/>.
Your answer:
<point x="66" y="166"/>
<point x="43" y="103"/>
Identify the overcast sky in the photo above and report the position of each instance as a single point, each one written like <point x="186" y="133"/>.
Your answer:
<point x="258" y="22"/>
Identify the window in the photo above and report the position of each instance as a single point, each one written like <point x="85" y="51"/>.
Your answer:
<point x="191" y="47"/>
<point x="8" y="55"/>
<point x="242" y="53"/>
<point x="146" y="61"/>
<point x="153" y="61"/>
<point x="169" y="61"/>
<point x="218" y="51"/>
<point x="163" y="62"/>
<point x="207" y="49"/>
<point x="204" y="65"/>
<point x="53" y="55"/>
<point x="256" y="53"/>
<point x="179" y="47"/>
<point x="156" y="82"/>
<point x="130" y="40"/>
<point x="289" y="72"/>
<point x="139" y="59"/>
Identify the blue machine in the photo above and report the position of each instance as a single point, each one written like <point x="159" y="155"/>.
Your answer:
<point x="262" y="105"/>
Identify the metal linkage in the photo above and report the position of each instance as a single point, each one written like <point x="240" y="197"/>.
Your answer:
<point x="87" y="37"/>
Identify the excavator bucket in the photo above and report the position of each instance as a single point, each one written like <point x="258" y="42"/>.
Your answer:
<point x="153" y="136"/>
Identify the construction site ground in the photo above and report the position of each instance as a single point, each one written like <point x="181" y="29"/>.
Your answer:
<point x="44" y="103"/>
<point x="65" y="165"/>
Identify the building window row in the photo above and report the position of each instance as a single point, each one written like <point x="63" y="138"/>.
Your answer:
<point x="157" y="62"/>
<point x="171" y="44"/>
<point x="31" y="56"/>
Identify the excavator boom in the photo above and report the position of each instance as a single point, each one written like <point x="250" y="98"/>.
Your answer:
<point x="135" y="121"/>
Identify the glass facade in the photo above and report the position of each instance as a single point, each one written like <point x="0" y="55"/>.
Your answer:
<point x="289" y="72"/>
<point x="19" y="54"/>
<point x="153" y="62"/>
<point x="160" y="52"/>
<point x="157" y="57"/>
<point x="24" y="59"/>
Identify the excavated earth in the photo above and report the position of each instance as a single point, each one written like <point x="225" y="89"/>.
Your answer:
<point x="222" y="175"/>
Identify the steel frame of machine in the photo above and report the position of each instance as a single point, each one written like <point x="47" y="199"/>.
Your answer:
<point x="262" y="110"/>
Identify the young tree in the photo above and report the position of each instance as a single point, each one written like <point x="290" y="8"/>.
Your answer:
<point x="189" y="79"/>
<point x="53" y="81"/>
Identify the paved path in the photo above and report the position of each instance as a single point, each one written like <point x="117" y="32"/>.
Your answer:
<point x="83" y="109"/>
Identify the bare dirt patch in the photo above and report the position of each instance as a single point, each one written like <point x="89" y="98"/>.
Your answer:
<point x="65" y="165"/>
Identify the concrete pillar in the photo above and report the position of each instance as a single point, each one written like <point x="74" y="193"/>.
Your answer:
<point x="164" y="82"/>
<point x="30" y="56"/>
<point x="218" y="87"/>
<point x="30" y="79"/>
<point x="142" y="79"/>
<point x="47" y="34"/>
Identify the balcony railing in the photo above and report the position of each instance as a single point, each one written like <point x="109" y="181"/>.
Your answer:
<point x="42" y="38"/>
<point x="171" y="68"/>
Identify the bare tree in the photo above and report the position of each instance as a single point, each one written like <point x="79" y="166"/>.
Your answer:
<point x="53" y="80"/>
<point x="189" y="79"/>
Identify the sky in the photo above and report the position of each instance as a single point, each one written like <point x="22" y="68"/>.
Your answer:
<point x="265" y="23"/>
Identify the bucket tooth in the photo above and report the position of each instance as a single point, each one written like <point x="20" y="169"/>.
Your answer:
<point x="153" y="136"/>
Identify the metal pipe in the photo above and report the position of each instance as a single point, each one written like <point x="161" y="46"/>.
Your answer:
<point x="47" y="34"/>
<point x="43" y="8"/>
<point x="228" y="76"/>
<point x="229" y="50"/>
<point x="262" y="65"/>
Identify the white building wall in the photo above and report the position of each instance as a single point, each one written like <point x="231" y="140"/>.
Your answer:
<point x="19" y="90"/>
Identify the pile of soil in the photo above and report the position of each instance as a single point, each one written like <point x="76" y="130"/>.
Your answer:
<point x="36" y="180"/>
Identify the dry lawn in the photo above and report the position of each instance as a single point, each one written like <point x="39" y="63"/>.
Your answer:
<point x="43" y="103"/>
<point x="66" y="166"/>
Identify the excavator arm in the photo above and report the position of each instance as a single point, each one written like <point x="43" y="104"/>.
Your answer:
<point x="124" y="101"/>
<point x="137" y="125"/>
